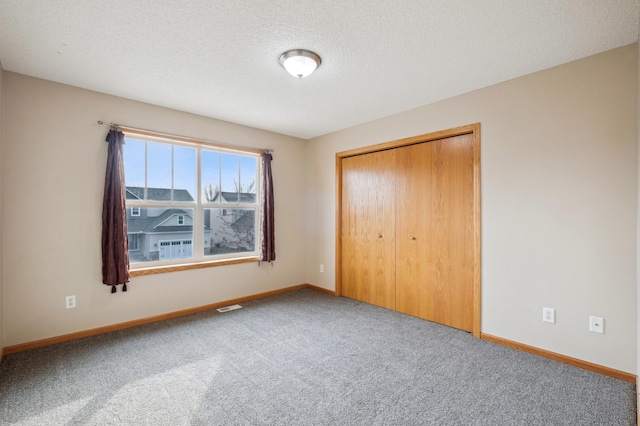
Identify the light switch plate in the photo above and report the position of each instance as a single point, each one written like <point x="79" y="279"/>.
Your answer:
<point x="596" y="324"/>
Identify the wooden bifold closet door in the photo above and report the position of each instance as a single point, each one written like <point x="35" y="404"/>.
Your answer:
<point x="368" y="228"/>
<point x="434" y="231"/>
<point x="408" y="231"/>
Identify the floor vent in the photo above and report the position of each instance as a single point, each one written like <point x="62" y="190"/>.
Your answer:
<point x="229" y="308"/>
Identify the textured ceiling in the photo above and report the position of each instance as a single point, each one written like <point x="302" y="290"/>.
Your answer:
<point x="220" y="58"/>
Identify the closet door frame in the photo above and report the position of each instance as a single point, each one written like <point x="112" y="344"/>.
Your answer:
<point x="473" y="129"/>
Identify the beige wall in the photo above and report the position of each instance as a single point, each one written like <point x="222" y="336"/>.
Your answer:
<point x="559" y="206"/>
<point x="1" y="202"/>
<point x="54" y="164"/>
<point x="638" y="232"/>
<point x="559" y="201"/>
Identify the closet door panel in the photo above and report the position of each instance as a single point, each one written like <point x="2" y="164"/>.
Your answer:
<point x="451" y="228"/>
<point x="412" y="204"/>
<point x="368" y="228"/>
<point x="434" y="222"/>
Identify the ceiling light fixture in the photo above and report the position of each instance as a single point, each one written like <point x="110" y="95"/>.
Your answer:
<point x="299" y="62"/>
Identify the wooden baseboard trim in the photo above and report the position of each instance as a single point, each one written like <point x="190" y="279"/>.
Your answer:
<point x="1" y="354"/>
<point x="611" y="372"/>
<point x="148" y="320"/>
<point x="322" y="290"/>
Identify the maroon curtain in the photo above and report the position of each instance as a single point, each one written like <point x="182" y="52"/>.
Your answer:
<point x="268" y="249"/>
<point x="115" y="246"/>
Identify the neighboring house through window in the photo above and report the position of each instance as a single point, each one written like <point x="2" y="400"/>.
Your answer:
<point x="133" y="242"/>
<point x="178" y="215"/>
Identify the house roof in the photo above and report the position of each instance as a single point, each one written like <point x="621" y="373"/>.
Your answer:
<point x="247" y="220"/>
<point x="232" y="197"/>
<point x="158" y="194"/>
<point x="151" y="225"/>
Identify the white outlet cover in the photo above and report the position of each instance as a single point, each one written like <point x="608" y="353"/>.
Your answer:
<point x="549" y="315"/>
<point x="596" y="325"/>
<point x="70" y="302"/>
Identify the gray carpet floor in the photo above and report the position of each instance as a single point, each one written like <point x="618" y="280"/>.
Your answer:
<point x="301" y="358"/>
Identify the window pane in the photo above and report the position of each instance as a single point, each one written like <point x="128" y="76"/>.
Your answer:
<point x="248" y="175"/>
<point x="134" y="168"/>
<point x="184" y="173"/>
<point x="229" y="231"/>
<point x="210" y="176"/>
<point x="165" y="173"/>
<point x="158" y="171"/>
<point x="230" y="176"/>
<point x="160" y="234"/>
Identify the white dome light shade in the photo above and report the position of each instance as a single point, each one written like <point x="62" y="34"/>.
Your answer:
<point x="300" y="63"/>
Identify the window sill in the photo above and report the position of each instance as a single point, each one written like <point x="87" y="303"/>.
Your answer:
<point x="188" y="266"/>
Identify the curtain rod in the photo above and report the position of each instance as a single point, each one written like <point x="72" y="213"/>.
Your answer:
<point x="183" y="138"/>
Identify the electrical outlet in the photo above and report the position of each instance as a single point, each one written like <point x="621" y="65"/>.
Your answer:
<point x="70" y="302"/>
<point x="596" y="324"/>
<point x="321" y="268"/>
<point x="549" y="315"/>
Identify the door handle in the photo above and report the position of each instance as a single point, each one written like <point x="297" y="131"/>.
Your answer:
<point x="379" y="235"/>
<point x="412" y="238"/>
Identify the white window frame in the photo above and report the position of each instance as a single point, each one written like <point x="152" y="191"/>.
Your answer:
<point x="136" y="210"/>
<point x="199" y="206"/>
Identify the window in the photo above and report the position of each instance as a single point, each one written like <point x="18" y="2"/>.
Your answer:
<point x="133" y="242"/>
<point x="189" y="202"/>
